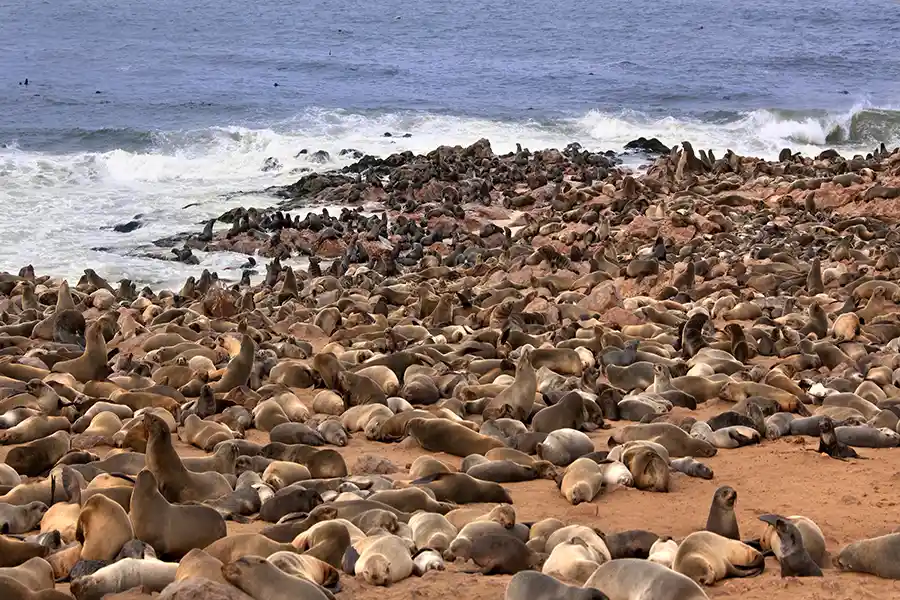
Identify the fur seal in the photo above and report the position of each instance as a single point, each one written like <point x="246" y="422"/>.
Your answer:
<point x="564" y="446"/>
<point x="13" y="589"/>
<point x="462" y="488"/>
<point x="691" y="468"/>
<point x="103" y="528"/>
<point x="14" y="552"/>
<point x="153" y="575"/>
<point x="234" y="546"/>
<point x="502" y="554"/>
<point x="172" y="530"/>
<point x="573" y="561"/>
<point x="517" y="400"/>
<point x="239" y="368"/>
<point x="441" y="435"/>
<point x="722" y="519"/>
<point x="21" y="519"/>
<point x="707" y="557"/>
<point x="431" y="530"/>
<point x="328" y="540"/>
<point x="829" y="443"/>
<point x="793" y="556"/>
<point x="307" y="567"/>
<point x="635" y="543"/>
<point x="636" y="579"/>
<point x="91" y="365"/>
<point x="262" y="580"/>
<point x="677" y="441"/>
<point x="582" y="481"/>
<point x="874" y="555"/>
<point x="812" y="537"/>
<point x="381" y="560"/>
<point x="176" y="483"/>
<point x="36" y="574"/>
<point x="290" y="499"/>
<point x="197" y="563"/>
<point x="649" y="469"/>
<point x="532" y="585"/>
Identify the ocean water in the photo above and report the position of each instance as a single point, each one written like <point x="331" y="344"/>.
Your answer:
<point x="168" y="109"/>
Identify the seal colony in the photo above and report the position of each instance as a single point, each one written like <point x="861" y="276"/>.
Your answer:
<point x="629" y="339"/>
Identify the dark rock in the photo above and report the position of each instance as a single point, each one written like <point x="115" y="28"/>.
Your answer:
<point x="271" y="164"/>
<point x="320" y="156"/>
<point x="651" y="146"/>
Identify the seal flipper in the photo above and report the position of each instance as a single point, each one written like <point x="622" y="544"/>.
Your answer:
<point x="756" y="544"/>
<point x="741" y="439"/>
<point x="348" y="563"/>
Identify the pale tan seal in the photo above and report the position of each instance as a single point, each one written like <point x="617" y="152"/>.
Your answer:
<point x="197" y="563"/>
<point x="17" y="519"/>
<point x="103" y="528"/>
<point x="675" y="440"/>
<point x="426" y="465"/>
<point x="381" y="560"/>
<point x="504" y="514"/>
<point x="171" y="529"/>
<point x="582" y="482"/>
<point x="12" y="589"/>
<point x="262" y="580"/>
<point x="573" y="561"/>
<point x="308" y="567"/>
<point x="280" y="474"/>
<point x="36" y="574"/>
<point x="233" y="547"/>
<point x="431" y="530"/>
<point x="636" y="579"/>
<point x="581" y="532"/>
<point x="707" y="557"/>
<point x="204" y="434"/>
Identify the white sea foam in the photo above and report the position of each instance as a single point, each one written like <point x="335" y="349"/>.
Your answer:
<point x="56" y="205"/>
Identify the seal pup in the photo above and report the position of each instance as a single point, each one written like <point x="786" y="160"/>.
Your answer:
<point x="830" y="444"/>
<point x="307" y="567"/>
<point x="793" y="556"/>
<point x="663" y="552"/>
<point x="262" y="580"/>
<point x="427" y="560"/>
<point x="154" y="575"/>
<point x="636" y="579"/>
<point x="171" y="529"/>
<point x="721" y="519"/>
<point x="431" y="530"/>
<point x="877" y="556"/>
<point x="707" y="557"/>
<point x="813" y="539"/>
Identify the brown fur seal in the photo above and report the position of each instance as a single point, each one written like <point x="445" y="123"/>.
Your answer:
<point x="531" y="585"/>
<point x="677" y="441"/>
<point x="431" y="530"/>
<point x="793" y="556"/>
<point x="176" y="483"/>
<point x="877" y="556"/>
<point x="441" y="435"/>
<point x="707" y="557"/>
<point x="13" y="589"/>
<point x="91" y="365"/>
<point x="197" y="563"/>
<point x="21" y="519"/>
<point x="36" y="574"/>
<point x="233" y="547"/>
<point x="171" y="529"/>
<point x="103" y="528"/>
<point x="462" y="488"/>
<point x="262" y="580"/>
<point x="812" y="537"/>
<point x="307" y="567"/>
<point x="34" y="428"/>
<point x="502" y="554"/>
<point x="328" y="541"/>
<point x="517" y="400"/>
<point x="636" y="579"/>
<point x="649" y="469"/>
<point x="14" y="552"/>
<point x="564" y="446"/>
<point x="238" y="371"/>
<point x="39" y="456"/>
<point x="411" y="499"/>
<point x="722" y="519"/>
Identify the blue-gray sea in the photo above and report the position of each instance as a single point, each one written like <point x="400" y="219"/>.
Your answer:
<point x="150" y="107"/>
